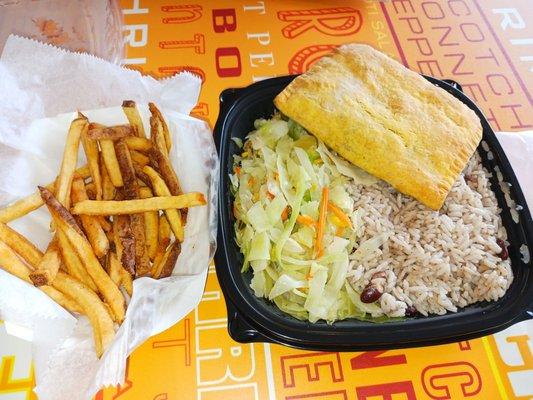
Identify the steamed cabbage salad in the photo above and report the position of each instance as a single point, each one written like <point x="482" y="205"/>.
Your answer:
<point x="295" y="222"/>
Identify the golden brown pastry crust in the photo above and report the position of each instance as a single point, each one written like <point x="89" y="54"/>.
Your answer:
<point x="385" y="119"/>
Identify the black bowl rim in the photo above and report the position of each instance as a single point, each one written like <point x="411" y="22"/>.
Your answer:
<point x="248" y="323"/>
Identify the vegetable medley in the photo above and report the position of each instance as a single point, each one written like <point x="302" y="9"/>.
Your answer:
<point x="295" y="222"/>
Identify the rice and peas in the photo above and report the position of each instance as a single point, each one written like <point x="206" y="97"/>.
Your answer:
<point x="327" y="241"/>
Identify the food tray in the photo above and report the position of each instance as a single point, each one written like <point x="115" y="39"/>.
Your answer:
<point x="252" y="319"/>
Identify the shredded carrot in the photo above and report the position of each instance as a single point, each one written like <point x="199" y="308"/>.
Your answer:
<point x="339" y="214"/>
<point x="238" y="170"/>
<point x="306" y="220"/>
<point x="321" y="221"/>
<point x="251" y="181"/>
<point x="270" y="195"/>
<point x="285" y="214"/>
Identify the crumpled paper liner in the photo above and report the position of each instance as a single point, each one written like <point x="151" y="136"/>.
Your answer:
<point x="40" y="87"/>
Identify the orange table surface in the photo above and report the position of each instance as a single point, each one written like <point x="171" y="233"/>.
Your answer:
<point x="485" y="45"/>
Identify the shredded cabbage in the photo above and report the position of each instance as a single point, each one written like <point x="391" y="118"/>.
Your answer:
<point x="278" y="182"/>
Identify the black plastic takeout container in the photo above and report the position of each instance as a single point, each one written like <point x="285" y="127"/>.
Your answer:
<point x="251" y="319"/>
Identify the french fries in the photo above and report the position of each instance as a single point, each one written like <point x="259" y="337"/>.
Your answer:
<point x="11" y="263"/>
<point x="22" y="207"/>
<point x="138" y="143"/>
<point x="99" y="132"/>
<point x="166" y="171"/>
<point x="31" y="254"/>
<point x="67" y="225"/>
<point x="115" y="219"/>
<point x="46" y="270"/>
<point x="78" y="128"/>
<point x="93" y="162"/>
<point x="156" y="134"/>
<point x="131" y="191"/>
<point x="140" y="158"/>
<point x="162" y="125"/>
<point x="127" y="281"/>
<point x="70" y="158"/>
<point x="73" y="263"/>
<point x="91" y="225"/>
<point x="114" y="207"/>
<point x="108" y="189"/>
<point x="92" y="306"/>
<point x="151" y="224"/>
<point x="142" y="176"/>
<point x="161" y="189"/>
<point x="130" y="109"/>
<point x="111" y="162"/>
<point x="113" y="268"/>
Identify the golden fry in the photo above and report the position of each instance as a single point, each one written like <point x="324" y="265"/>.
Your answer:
<point x="93" y="161"/>
<point x="82" y="172"/>
<point x="167" y="172"/>
<point x="162" y="125"/>
<point x="113" y="268"/>
<point x="138" y="143"/>
<point x="81" y="245"/>
<point x="12" y="264"/>
<point x="46" y="270"/>
<point x="161" y="189"/>
<point x="70" y="159"/>
<point x="92" y="306"/>
<point x="54" y="205"/>
<point x="21" y="207"/>
<point x="94" y="231"/>
<point x="32" y="202"/>
<point x="139" y="158"/>
<point x="108" y="189"/>
<point x="156" y="134"/>
<point x="113" y="207"/>
<point x="105" y="285"/>
<point x="111" y="162"/>
<point x="132" y="113"/>
<point x="99" y="132"/>
<point x="142" y="176"/>
<point x="73" y="263"/>
<point x="22" y="246"/>
<point x="127" y="281"/>
<point x="151" y="221"/>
